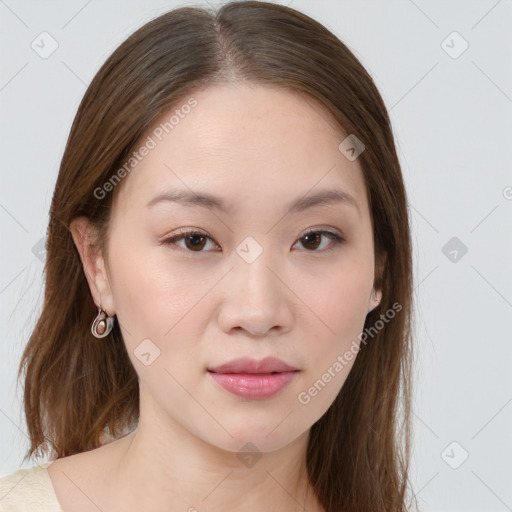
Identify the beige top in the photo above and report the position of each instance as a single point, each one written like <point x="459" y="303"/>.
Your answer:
<point x="28" y="490"/>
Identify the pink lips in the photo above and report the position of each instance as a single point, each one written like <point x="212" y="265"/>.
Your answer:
<point x="252" y="379"/>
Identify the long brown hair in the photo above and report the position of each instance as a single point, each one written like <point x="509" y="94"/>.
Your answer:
<point x="77" y="391"/>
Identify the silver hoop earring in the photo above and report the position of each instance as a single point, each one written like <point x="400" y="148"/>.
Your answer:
<point x="102" y="324"/>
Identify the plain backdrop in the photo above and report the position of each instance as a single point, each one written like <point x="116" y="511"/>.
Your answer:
<point x="443" y="68"/>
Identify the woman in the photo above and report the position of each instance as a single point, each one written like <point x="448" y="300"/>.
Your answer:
<point x="228" y="280"/>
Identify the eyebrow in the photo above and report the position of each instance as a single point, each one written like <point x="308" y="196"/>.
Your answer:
<point x="206" y="200"/>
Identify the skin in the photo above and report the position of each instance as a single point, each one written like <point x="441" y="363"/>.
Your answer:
<point x="258" y="148"/>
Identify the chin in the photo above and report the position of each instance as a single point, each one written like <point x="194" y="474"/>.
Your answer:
<point x="265" y="437"/>
<point x="250" y="443"/>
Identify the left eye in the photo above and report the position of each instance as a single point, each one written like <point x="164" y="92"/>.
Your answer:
<point x="195" y="241"/>
<point x="313" y="238"/>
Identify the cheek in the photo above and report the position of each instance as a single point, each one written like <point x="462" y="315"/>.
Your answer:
<point x="340" y="300"/>
<point x="163" y="308"/>
<point x="153" y="294"/>
<point x="340" y="310"/>
<point x="331" y="356"/>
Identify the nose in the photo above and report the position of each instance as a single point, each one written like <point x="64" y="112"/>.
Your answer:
<point x="256" y="299"/>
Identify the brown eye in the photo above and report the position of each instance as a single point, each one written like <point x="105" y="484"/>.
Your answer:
<point x="194" y="241"/>
<point x="313" y="240"/>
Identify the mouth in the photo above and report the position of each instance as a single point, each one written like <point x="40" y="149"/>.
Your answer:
<point x="253" y="386"/>
<point x="252" y="379"/>
<point x="242" y="366"/>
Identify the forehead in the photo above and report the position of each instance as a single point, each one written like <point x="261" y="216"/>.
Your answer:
<point x="251" y="144"/>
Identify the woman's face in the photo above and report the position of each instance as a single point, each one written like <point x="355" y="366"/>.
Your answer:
<point x="256" y="286"/>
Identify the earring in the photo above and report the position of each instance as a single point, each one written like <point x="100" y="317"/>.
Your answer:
<point x="102" y="324"/>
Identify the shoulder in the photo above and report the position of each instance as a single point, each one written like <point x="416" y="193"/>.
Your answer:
<point x="28" y="489"/>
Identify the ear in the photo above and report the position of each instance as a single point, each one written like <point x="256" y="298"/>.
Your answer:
<point x="94" y="265"/>
<point x="376" y="293"/>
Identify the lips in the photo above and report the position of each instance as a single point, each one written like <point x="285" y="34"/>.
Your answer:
<point x="253" y="380"/>
<point x="252" y="366"/>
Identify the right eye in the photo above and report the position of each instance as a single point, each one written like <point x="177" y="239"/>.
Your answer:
<point x="194" y="240"/>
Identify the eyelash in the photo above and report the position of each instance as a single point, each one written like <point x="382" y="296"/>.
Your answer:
<point x="336" y="239"/>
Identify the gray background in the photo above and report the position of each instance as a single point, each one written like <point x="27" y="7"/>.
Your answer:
<point x="451" y="114"/>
